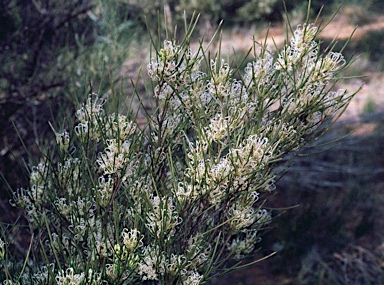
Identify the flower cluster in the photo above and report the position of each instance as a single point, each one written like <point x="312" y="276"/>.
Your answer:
<point x="69" y="277"/>
<point x="89" y="116"/>
<point x="163" y="218"/>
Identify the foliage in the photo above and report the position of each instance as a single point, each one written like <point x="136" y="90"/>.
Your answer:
<point x="49" y="49"/>
<point x="173" y="200"/>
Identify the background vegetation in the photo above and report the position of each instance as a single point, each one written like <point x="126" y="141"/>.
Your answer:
<point x="52" y="52"/>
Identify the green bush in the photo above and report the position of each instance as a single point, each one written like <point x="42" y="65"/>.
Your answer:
<point x="173" y="200"/>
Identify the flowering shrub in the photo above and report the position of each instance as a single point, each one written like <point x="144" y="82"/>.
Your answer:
<point x="172" y="201"/>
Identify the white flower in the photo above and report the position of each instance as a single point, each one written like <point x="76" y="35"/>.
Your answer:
<point x="334" y="100"/>
<point x="218" y="128"/>
<point x="162" y="218"/>
<point x="164" y="92"/>
<point x="197" y="152"/>
<point x="105" y="190"/>
<point x="62" y="140"/>
<point x="42" y="275"/>
<point x="260" y="71"/>
<point x="185" y="193"/>
<point x="243" y="245"/>
<point x="82" y="130"/>
<point x="303" y="37"/>
<point x="69" y="175"/>
<point x="69" y="277"/>
<point x="38" y="174"/>
<point x="83" y="206"/>
<point x="62" y="206"/>
<point x="59" y="243"/>
<point x="132" y="239"/>
<point x="302" y="48"/>
<point x="254" y="154"/>
<point x="220" y="80"/>
<point x="220" y="172"/>
<point x="171" y="123"/>
<point x="119" y="126"/>
<point x="153" y="263"/>
<point x="117" y="159"/>
<point x="165" y="65"/>
<point x="242" y="215"/>
<point x="36" y="193"/>
<point x="90" y="117"/>
<point x="192" y="278"/>
<point x="94" y="278"/>
<point x="80" y="229"/>
<point x="112" y="270"/>
<point x="176" y="263"/>
<point x="263" y="217"/>
<point x="91" y="110"/>
<point x="325" y="67"/>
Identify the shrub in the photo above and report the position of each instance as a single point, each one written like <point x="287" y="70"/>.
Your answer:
<point x="173" y="200"/>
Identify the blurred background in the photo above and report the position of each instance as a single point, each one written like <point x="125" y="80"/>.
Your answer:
<point x="328" y="223"/>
